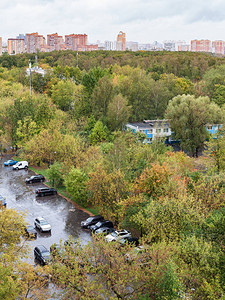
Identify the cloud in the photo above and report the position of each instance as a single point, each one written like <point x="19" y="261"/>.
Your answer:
<point x="103" y="19"/>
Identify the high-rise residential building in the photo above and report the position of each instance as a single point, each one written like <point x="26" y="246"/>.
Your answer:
<point x="76" y="42"/>
<point x="169" y="45"/>
<point x="108" y="45"/>
<point x="121" y="41"/>
<point x="183" y="48"/>
<point x="132" y="46"/>
<point x="16" y="46"/>
<point x="144" y="47"/>
<point x="54" y="42"/>
<point x="22" y="36"/>
<point x="201" y="46"/>
<point x="35" y="42"/>
<point x="0" y="45"/>
<point x="218" y="47"/>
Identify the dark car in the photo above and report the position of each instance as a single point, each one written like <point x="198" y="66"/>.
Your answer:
<point x="129" y="240"/>
<point x="30" y="232"/>
<point x="40" y="192"/>
<point x="104" y="223"/>
<point x="91" y="221"/>
<point x="42" y="254"/>
<point x="35" y="178"/>
<point x="104" y="230"/>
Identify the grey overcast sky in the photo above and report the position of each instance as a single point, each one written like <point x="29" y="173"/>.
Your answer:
<point x="144" y="21"/>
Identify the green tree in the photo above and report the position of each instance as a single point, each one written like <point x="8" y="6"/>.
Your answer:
<point x="63" y="94"/>
<point x="55" y="174"/>
<point x="101" y="96"/>
<point x="91" y="78"/>
<point x="75" y="183"/>
<point x="98" y="134"/>
<point x="118" y="112"/>
<point x="188" y="118"/>
<point x="26" y="130"/>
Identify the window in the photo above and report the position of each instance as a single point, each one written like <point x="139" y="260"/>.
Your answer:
<point x="166" y="129"/>
<point x="149" y="131"/>
<point x="158" y="130"/>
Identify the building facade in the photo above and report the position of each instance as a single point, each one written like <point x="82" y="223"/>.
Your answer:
<point x="76" y="42"/>
<point x="54" y="42"/>
<point x="153" y="129"/>
<point x="16" y="46"/>
<point x="218" y="47"/>
<point x="121" y="41"/>
<point x="201" y="46"/>
<point x="35" y="42"/>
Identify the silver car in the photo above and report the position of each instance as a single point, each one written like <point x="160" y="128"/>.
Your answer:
<point x="42" y="224"/>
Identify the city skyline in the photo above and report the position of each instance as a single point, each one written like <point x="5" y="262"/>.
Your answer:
<point x="143" y="20"/>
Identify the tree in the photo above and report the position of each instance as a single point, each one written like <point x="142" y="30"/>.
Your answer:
<point x="75" y="183"/>
<point x="26" y="130"/>
<point x="188" y="118"/>
<point x="215" y="150"/>
<point x="107" y="191"/>
<point x="98" y="134"/>
<point x="63" y="94"/>
<point x="55" y="174"/>
<point x="101" y="97"/>
<point x="19" y="279"/>
<point x="118" y="112"/>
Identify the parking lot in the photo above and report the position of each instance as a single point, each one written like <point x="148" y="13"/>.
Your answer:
<point x="63" y="216"/>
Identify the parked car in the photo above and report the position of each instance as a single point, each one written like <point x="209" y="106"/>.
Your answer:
<point x="10" y="162"/>
<point x="129" y="240"/>
<point x="40" y="192"/>
<point x="104" y="223"/>
<point x="117" y="235"/>
<point x="20" y="165"/>
<point x="91" y="221"/>
<point x="30" y="232"/>
<point x="104" y="230"/>
<point x="3" y="201"/>
<point x="42" y="224"/>
<point x="35" y="178"/>
<point x="42" y="254"/>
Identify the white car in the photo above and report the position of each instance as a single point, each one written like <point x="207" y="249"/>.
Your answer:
<point x="42" y="224"/>
<point x="117" y="235"/>
<point x="20" y="165"/>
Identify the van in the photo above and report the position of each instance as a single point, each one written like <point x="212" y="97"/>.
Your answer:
<point x="20" y="165"/>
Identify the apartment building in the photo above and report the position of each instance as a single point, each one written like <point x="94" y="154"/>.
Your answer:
<point x="54" y="42"/>
<point x="35" y="42"/>
<point x="76" y="42"/>
<point x="121" y="41"/>
<point x="16" y="46"/>
<point x="201" y="46"/>
<point x="218" y="47"/>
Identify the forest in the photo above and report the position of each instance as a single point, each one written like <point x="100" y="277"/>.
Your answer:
<point x="72" y="127"/>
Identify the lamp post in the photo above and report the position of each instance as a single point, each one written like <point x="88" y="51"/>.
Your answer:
<point x="30" y="76"/>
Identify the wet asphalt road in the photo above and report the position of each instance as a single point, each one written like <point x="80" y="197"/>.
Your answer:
<point x="62" y="215"/>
